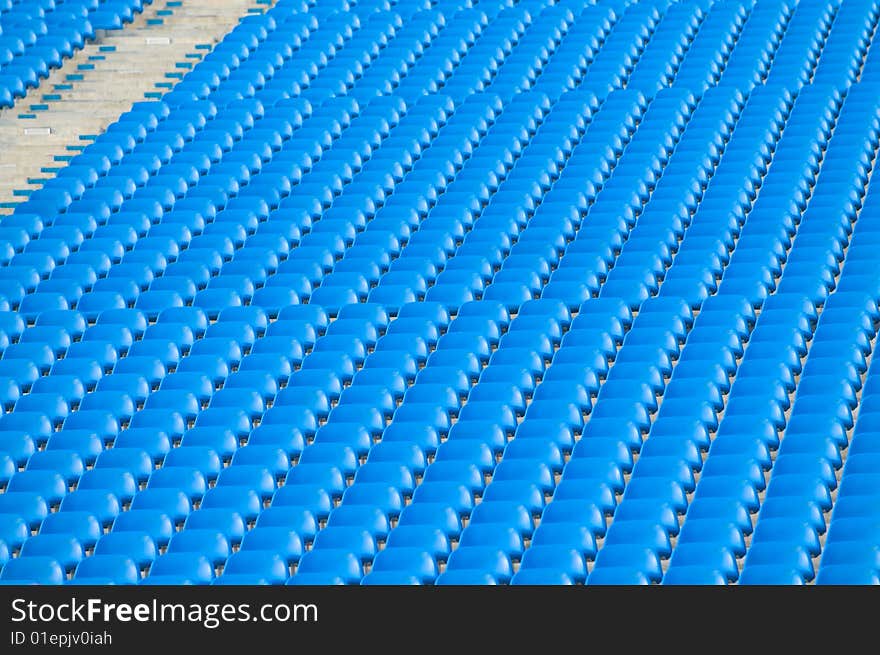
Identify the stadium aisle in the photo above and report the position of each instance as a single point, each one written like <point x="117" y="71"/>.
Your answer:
<point x="89" y="91"/>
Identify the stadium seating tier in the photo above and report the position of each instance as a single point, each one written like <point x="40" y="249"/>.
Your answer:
<point x="454" y="292"/>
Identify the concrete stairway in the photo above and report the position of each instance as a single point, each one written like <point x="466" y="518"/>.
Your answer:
<point x="78" y="101"/>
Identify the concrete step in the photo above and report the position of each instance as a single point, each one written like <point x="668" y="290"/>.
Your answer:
<point x="101" y="81"/>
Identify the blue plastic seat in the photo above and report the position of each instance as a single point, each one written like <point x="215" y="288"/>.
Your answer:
<point x="485" y="559"/>
<point x="110" y="569"/>
<point x="225" y="521"/>
<point x="196" y="569"/>
<point x="341" y="563"/>
<point x="82" y="526"/>
<point x="33" y="570"/>
<point x="138" y="546"/>
<point x="67" y="551"/>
